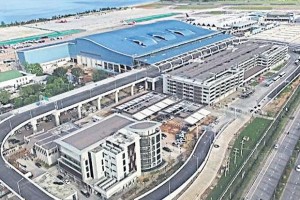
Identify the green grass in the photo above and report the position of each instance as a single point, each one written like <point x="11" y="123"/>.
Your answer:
<point x="151" y="17"/>
<point x="216" y="12"/>
<point x="8" y="75"/>
<point x="256" y="161"/>
<point x="251" y="8"/>
<point x="194" y="7"/>
<point x="279" y="67"/>
<point x="253" y="132"/>
<point x="254" y="83"/>
<point x="37" y="37"/>
<point x="269" y="74"/>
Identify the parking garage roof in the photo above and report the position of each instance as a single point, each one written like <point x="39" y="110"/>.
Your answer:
<point x="96" y="132"/>
<point x="220" y="62"/>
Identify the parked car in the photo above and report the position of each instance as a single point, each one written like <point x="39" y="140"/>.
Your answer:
<point x="67" y="182"/>
<point x="58" y="183"/>
<point x="167" y="149"/>
<point x="60" y="177"/>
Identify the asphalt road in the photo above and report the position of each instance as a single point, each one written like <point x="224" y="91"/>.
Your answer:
<point x="266" y="182"/>
<point x="186" y="172"/>
<point x="9" y="176"/>
<point x="292" y="188"/>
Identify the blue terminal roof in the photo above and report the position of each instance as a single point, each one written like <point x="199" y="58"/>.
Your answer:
<point x="163" y="55"/>
<point x="149" y="38"/>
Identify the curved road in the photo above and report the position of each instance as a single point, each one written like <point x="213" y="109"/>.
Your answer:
<point x="9" y="176"/>
<point x="187" y="171"/>
<point x="28" y="190"/>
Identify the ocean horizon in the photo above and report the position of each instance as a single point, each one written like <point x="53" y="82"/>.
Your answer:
<point x="25" y="10"/>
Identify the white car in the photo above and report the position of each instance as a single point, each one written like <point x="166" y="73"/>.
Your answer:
<point x="297" y="168"/>
<point x="67" y="182"/>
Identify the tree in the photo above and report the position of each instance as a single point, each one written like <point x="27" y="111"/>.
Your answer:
<point x="59" y="72"/>
<point x="4" y="97"/>
<point x="18" y="102"/>
<point x="77" y="72"/>
<point x="30" y="90"/>
<point x="99" y="75"/>
<point x="2" y="24"/>
<point x="34" y="69"/>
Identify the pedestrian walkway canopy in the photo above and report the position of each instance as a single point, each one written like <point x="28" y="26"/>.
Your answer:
<point x="197" y="116"/>
<point x="153" y="109"/>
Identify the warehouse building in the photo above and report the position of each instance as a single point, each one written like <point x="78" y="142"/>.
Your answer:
<point x="165" y="43"/>
<point x="280" y="17"/>
<point x="106" y="155"/>
<point x="220" y="75"/>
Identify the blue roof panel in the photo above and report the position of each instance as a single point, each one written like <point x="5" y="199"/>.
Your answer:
<point x="163" y="55"/>
<point x="173" y="33"/>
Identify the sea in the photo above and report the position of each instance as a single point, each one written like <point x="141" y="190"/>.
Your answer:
<point x="25" y="10"/>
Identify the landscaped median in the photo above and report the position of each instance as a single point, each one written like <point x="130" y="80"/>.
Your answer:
<point x="243" y="167"/>
<point x="240" y="151"/>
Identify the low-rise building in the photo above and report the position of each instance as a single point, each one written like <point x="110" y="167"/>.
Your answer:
<point x="106" y="155"/>
<point x="150" y="143"/>
<point x="43" y="145"/>
<point x="11" y="80"/>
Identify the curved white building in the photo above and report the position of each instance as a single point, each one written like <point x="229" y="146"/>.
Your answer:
<point x="150" y="143"/>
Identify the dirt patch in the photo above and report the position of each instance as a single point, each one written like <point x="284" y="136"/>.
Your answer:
<point x="272" y="108"/>
<point x="172" y="126"/>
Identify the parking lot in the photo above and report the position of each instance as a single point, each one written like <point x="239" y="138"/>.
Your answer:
<point x="283" y="33"/>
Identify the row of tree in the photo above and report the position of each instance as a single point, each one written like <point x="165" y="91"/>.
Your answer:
<point x="57" y="83"/>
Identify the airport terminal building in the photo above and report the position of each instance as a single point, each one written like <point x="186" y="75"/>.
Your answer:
<point x="163" y="44"/>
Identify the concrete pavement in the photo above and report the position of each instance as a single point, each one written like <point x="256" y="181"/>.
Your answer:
<point x="190" y="167"/>
<point x="266" y="182"/>
<point x="215" y="160"/>
<point x="15" y="180"/>
<point x="292" y="187"/>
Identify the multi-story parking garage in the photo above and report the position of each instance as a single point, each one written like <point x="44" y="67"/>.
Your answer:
<point x="165" y="44"/>
<point x="220" y="75"/>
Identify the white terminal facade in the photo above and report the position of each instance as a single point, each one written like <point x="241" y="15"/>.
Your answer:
<point x="106" y="156"/>
<point x="213" y="79"/>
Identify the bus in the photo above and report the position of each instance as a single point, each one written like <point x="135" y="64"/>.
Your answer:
<point x="282" y="74"/>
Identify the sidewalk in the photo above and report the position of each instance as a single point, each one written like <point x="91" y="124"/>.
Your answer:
<point x="215" y="160"/>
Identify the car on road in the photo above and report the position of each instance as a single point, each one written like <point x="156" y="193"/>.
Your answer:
<point x="297" y="168"/>
<point x="276" y="146"/>
<point x="67" y="181"/>
<point x="167" y="149"/>
<point x="85" y="193"/>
